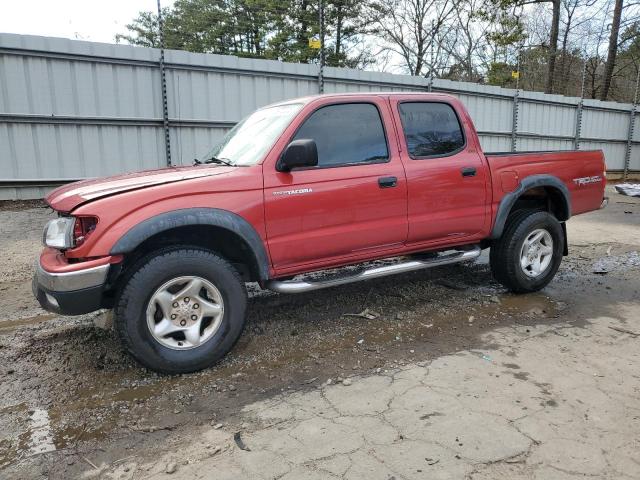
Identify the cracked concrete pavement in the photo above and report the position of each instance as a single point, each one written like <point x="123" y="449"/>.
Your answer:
<point x="549" y="402"/>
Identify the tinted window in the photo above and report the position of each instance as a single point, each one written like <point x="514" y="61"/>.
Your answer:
<point x="431" y="129"/>
<point x="346" y="133"/>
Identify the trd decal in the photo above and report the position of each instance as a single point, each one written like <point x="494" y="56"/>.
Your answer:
<point x="586" y="180"/>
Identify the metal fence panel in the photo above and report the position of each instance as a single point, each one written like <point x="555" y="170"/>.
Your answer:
<point x="74" y="109"/>
<point x="634" y="163"/>
<point x="606" y="125"/>
<point x="614" y="153"/>
<point x="548" y="120"/>
<point x="490" y="114"/>
<point x="495" y="143"/>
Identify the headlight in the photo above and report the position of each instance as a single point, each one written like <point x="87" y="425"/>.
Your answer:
<point x="58" y="233"/>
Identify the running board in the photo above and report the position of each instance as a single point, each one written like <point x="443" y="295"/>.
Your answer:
<point x="300" y="286"/>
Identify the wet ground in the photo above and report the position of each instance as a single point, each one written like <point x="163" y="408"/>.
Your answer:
<point x="72" y="403"/>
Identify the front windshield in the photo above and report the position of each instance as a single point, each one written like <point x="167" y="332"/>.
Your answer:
<point x="248" y="142"/>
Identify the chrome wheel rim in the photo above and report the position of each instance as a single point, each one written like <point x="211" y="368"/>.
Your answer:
<point x="536" y="253"/>
<point x="185" y="312"/>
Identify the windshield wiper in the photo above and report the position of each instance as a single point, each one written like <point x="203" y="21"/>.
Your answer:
<point x="220" y="161"/>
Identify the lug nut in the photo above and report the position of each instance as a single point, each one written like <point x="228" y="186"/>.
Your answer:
<point x="173" y="316"/>
<point x="183" y="323"/>
<point x="186" y="299"/>
<point x="196" y="306"/>
<point x="194" y="317"/>
<point x="175" y="304"/>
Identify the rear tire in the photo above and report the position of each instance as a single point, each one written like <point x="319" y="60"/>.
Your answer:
<point x="181" y="310"/>
<point x="528" y="255"/>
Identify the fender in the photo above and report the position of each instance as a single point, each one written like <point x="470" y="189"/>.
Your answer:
<point x="533" y="181"/>
<point x="196" y="216"/>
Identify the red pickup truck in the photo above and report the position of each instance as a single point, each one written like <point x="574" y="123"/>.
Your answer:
<point x="297" y="187"/>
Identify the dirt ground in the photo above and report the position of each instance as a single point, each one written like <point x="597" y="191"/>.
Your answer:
<point x="440" y="374"/>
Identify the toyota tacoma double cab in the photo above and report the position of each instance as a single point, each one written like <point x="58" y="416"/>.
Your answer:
<point x="302" y="186"/>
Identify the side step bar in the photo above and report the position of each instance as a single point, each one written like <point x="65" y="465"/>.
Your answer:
<point x="300" y="286"/>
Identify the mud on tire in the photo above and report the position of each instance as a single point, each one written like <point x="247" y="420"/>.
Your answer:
<point x="157" y="291"/>
<point x="510" y="257"/>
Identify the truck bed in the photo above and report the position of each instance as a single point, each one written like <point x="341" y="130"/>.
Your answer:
<point x="581" y="171"/>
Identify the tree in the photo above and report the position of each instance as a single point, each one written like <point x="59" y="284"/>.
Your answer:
<point x="511" y="5"/>
<point x="467" y="44"/>
<point x="413" y="30"/>
<point x="576" y="15"/>
<point x="236" y="27"/>
<point x="346" y="24"/>
<point x="613" y="49"/>
<point x="143" y="30"/>
<point x="257" y="28"/>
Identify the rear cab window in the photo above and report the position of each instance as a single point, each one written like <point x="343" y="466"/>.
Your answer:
<point x="431" y="129"/>
<point x="346" y="134"/>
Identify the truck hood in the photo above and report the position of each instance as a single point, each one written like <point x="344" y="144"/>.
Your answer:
<point x="68" y="197"/>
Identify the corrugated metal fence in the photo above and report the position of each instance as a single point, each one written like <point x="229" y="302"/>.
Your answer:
<point x="72" y="109"/>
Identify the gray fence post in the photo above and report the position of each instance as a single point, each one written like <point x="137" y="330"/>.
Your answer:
<point x="163" y="80"/>
<point x="632" y="121"/>
<point x="321" y="71"/>
<point x="576" y="140"/>
<point x="514" y="121"/>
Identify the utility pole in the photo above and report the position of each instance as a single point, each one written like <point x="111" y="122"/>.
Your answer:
<point x="321" y="72"/>
<point x="163" y="81"/>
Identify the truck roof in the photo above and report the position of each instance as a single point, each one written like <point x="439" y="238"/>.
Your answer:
<point x="310" y="98"/>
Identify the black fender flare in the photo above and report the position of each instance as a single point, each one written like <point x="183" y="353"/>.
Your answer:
<point x="196" y="216"/>
<point x="533" y="181"/>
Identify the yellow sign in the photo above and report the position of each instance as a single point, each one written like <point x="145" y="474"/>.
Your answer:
<point x="314" y="42"/>
<point x="515" y="74"/>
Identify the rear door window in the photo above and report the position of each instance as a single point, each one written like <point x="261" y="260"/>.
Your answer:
<point x="346" y="134"/>
<point x="431" y="129"/>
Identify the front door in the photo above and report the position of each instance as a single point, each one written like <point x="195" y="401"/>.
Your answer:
<point x="354" y="202"/>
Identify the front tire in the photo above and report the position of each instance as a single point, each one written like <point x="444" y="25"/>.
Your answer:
<point x="181" y="310"/>
<point x="528" y="255"/>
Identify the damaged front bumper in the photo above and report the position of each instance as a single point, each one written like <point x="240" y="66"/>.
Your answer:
<point x="66" y="291"/>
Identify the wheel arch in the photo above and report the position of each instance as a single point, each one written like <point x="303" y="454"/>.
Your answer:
<point x="205" y="224"/>
<point x="545" y="191"/>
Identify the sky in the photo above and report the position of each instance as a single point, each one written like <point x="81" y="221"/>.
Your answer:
<point x="93" y="20"/>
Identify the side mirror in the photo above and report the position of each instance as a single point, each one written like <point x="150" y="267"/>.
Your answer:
<point x="299" y="153"/>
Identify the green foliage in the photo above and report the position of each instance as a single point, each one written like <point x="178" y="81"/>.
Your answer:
<point x="499" y="74"/>
<point x="256" y="28"/>
<point x="472" y="40"/>
<point x="507" y="27"/>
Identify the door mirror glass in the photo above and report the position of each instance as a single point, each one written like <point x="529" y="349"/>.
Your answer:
<point x="299" y="153"/>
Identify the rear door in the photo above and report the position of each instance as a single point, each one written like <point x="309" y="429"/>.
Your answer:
<point x="353" y="203"/>
<point x="448" y="177"/>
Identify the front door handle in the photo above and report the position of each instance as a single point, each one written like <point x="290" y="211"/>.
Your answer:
<point x="387" y="182"/>
<point x="468" y="171"/>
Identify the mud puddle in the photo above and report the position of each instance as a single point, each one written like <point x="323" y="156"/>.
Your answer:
<point x="7" y="326"/>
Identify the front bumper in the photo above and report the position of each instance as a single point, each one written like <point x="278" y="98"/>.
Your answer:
<point x="70" y="293"/>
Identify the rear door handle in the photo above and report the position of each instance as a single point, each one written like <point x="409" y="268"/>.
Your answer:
<point x="387" y="182"/>
<point x="468" y="171"/>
